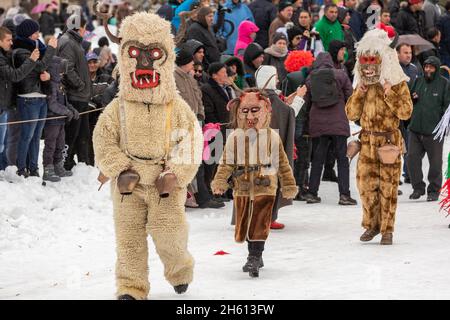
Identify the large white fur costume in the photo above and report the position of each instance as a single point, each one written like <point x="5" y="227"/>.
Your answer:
<point x="147" y="101"/>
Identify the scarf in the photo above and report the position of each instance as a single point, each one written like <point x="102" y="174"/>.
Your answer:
<point x="42" y="47"/>
<point x="276" y="52"/>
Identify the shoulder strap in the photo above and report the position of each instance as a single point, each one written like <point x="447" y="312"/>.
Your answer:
<point x="168" y="129"/>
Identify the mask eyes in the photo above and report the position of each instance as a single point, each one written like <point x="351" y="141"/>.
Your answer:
<point x="156" y="54"/>
<point x="134" y="52"/>
<point x="369" y="60"/>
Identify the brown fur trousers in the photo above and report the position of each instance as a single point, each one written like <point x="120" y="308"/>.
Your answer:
<point x="377" y="182"/>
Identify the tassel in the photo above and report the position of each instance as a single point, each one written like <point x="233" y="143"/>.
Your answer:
<point x="445" y="190"/>
<point x="443" y="127"/>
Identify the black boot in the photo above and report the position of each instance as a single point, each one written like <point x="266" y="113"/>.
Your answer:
<point x="50" y="175"/>
<point x="416" y="194"/>
<point x="181" y="288"/>
<point x="254" y="260"/>
<point x="346" y="200"/>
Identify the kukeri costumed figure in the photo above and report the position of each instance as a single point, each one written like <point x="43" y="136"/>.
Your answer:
<point x="381" y="100"/>
<point x="149" y="129"/>
<point x="255" y="158"/>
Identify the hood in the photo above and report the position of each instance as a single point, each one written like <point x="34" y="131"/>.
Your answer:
<point x="252" y="52"/>
<point x="342" y="12"/>
<point x="263" y="74"/>
<point x="146" y="59"/>
<point x="323" y="61"/>
<point x="232" y="60"/>
<point x="334" y="47"/>
<point x="245" y="29"/>
<point x="9" y="23"/>
<point x="57" y="66"/>
<point x="434" y="61"/>
<point x="192" y="46"/>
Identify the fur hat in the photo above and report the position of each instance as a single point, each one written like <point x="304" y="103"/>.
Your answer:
<point x="215" y="67"/>
<point x="27" y="28"/>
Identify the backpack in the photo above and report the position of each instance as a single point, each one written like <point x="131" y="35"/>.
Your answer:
<point x="324" y="90"/>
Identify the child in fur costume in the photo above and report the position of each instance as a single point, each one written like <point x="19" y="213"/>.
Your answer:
<point x="150" y="130"/>
<point x="255" y="158"/>
<point x="380" y="101"/>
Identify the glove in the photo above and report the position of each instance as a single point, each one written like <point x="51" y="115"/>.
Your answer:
<point x="76" y="114"/>
<point x="69" y="115"/>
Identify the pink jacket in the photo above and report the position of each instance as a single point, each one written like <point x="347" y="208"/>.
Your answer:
<point x="244" y="30"/>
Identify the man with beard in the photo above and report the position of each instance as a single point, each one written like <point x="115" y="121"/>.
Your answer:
<point x="431" y="97"/>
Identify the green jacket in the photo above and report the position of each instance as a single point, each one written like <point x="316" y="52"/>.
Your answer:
<point x="329" y="31"/>
<point x="433" y="100"/>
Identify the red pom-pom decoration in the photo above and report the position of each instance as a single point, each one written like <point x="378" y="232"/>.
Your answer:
<point x="298" y="59"/>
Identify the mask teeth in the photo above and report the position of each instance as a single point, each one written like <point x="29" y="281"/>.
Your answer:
<point x="146" y="79"/>
<point x="134" y="77"/>
<point x="154" y="76"/>
<point x="141" y="82"/>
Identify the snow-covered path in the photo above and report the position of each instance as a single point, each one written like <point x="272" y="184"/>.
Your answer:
<point x="57" y="242"/>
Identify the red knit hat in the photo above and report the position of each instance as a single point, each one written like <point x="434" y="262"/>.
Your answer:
<point x="411" y="2"/>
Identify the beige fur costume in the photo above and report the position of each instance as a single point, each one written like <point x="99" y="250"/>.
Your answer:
<point x="147" y="101"/>
<point x="379" y="113"/>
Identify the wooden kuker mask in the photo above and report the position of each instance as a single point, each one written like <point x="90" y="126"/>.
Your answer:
<point x="369" y="68"/>
<point x="253" y="111"/>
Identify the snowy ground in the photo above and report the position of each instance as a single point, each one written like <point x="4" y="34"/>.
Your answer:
<point x="57" y="242"/>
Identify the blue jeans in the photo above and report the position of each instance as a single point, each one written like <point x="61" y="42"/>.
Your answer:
<point x="3" y="119"/>
<point x="30" y="133"/>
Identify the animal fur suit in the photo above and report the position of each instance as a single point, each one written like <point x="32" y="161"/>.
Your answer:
<point x="379" y="112"/>
<point x="146" y="103"/>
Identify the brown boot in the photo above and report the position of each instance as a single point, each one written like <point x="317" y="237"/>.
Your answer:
<point x="368" y="235"/>
<point x="386" y="239"/>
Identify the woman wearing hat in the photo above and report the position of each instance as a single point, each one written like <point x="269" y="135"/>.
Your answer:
<point x="276" y="54"/>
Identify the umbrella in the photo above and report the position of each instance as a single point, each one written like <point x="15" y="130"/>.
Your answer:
<point x="39" y="8"/>
<point x="419" y="43"/>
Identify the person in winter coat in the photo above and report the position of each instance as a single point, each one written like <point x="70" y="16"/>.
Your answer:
<point x="434" y="37"/>
<point x="200" y="31"/>
<point x="100" y="80"/>
<point x="264" y="12"/>
<point x="236" y="66"/>
<point x="337" y="51"/>
<point x="294" y="34"/>
<point x="8" y="75"/>
<point x="246" y="34"/>
<point x="54" y="134"/>
<point x="444" y="27"/>
<point x="276" y="54"/>
<point x="349" y="40"/>
<point x="253" y="59"/>
<point x="310" y="38"/>
<point x="431" y="97"/>
<point x="47" y="21"/>
<point x="237" y="13"/>
<point x="330" y="124"/>
<point x="432" y="13"/>
<point x="31" y="100"/>
<point x="254" y="173"/>
<point x="329" y="27"/>
<point x="285" y="11"/>
<point x="78" y="89"/>
<point x="283" y="120"/>
<point x="356" y="22"/>
<point x="411" y="20"/>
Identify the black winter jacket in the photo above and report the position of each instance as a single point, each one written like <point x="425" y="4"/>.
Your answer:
<point x="22" y="49"/>
<point x="47" y="24"/>
<point x="77" y="80"/>
<point x="264" y="12"/>
<point x="215" y="102"/>
<point x="200" y="33"/>
<point x="409" y="22"/>
<point x="56" y="97"/>
<point x="8" y="75"/>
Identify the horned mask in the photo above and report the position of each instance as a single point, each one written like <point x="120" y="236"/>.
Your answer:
<point x="146" y="58"/>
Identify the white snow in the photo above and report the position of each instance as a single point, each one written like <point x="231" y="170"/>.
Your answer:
<point x="57" y="242"/>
